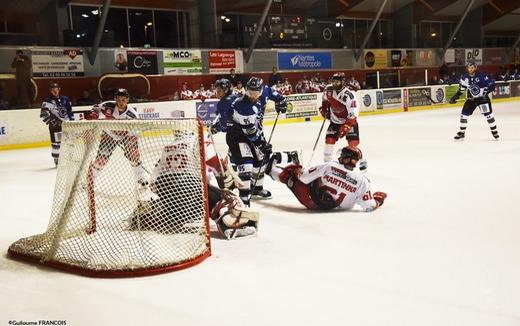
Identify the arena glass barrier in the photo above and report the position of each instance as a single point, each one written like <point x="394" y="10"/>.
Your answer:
<point x="23" y="128"/>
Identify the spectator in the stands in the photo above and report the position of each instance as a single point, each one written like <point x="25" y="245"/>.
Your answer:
<point x="275" y="77"/>
<point x="211" y="92"/>
<point x="443" y="72"/>
<point x="232" y="77"/>
<point x="85" y="99"/>
<point x="434" y="80"/>
<point x="353" y="84"/>
<point x="175" y="96"/>
<point x="515" y="75"/>
<point x="239" y="89"/>
<point x="186" y="94"/>
<point x="24" y="89"/>
<point x="454" y="78"/>
<point x="303" y="85"/>
<point x="279" y="87"/>
<point x="505" y="75"/>
<point x="287" y="87"/>
<point x="200" y="93"/>
<point x="3" y="102"/>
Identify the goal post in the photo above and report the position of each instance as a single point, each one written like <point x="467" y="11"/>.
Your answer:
<point x="129" y="200"/>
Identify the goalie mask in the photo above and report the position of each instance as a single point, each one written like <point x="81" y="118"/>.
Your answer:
<point x="349" y="156"/>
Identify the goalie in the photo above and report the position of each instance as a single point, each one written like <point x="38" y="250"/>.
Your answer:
<point x="178" y="189"/>
<point x="330" y="185"/>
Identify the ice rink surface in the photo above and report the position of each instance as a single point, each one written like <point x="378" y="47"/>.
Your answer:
<point x="443" y="250"/>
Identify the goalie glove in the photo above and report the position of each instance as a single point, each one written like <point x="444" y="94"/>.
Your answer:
<point x="379" y="197"/>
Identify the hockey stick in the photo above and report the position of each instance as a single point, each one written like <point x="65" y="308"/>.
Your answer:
<point x="317" y="139"/>
<point x="229" y="169"/>
<point x="257" y="176"/>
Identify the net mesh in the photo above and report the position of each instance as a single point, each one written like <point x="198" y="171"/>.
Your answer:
<point x="129" y="197"/>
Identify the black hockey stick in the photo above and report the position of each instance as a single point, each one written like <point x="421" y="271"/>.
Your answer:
<point x="429" y="98"/>
<point x="257" y="176"/>
<point x="316" y="143"/>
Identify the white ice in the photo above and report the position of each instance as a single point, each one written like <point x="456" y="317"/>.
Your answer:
<point x="443" y="250"/>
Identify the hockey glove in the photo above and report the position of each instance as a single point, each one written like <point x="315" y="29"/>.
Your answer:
<point x="379" y="197"/>
<point x="45" y="116"/>
<point x="345" y="129"/>
<point x="290" y="171"/>
<point x="325" y="110"/>
<point x="213" y="129"/>
<point x="281" y="107"/>
<point x="455" y="97"/>
<point x="92" y="115"/>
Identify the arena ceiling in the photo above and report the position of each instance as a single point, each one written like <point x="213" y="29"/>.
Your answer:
<point x="498" y="15"/>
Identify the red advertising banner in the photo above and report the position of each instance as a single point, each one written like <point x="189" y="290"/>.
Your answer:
<point x="223" y="61"/>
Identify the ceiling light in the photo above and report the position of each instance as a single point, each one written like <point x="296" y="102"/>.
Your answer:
<point x="222" y="17"/>
<point x="95" y="12"/>
<point x="227" y="20"/>
<point x="84" y="15"/>
<point x="149" y="24"/>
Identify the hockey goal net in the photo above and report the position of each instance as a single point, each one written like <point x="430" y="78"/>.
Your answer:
<point x="104" y="222"/>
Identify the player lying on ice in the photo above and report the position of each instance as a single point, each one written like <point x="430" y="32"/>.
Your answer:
<point x="330" y="185"/>
<point x="169" y="211"/>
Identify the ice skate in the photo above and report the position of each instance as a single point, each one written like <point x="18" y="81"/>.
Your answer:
<point x="261" y="193"/>
<point x="459" y="136"/>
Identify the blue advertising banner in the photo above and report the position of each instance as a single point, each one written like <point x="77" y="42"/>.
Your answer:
<point x="304" y="60"/>
<point x="206" y="111"/>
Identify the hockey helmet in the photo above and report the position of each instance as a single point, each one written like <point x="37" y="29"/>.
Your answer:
<point x="223" y="83"/>
<point x="349" y="156"/>
<point x="122" y="92"/>
<point x="338" y="76"/>
<point x="255" y="84"/>
<point x="54" y="85"/>
<point x="471" y="63"/>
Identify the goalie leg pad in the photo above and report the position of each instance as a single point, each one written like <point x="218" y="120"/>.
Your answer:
<point x="232" y="217"/>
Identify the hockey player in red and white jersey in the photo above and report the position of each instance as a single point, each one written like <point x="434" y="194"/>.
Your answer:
<point x="200" y="93"/>
<point x="111" y="139"/>
<point x="339" y="105"/>
<point x="186" y="94"/>
<point x="287" y="88"/>
<point x="334" y="184"/>
<point x="172" y="176"/>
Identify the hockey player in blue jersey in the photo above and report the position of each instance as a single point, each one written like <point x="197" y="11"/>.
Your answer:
<point x="224" y="93"/>
<point x="55" y="109"/>
<point x="245" y="138"/>
<point x="477" y="86"/>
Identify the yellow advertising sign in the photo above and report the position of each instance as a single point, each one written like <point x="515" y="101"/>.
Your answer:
<point x="375" y="59"/>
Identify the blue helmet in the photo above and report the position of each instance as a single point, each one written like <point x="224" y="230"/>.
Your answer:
<point x="255" y="84"/>
<point x="223" y="83"/>
<point x="471" y="63"/>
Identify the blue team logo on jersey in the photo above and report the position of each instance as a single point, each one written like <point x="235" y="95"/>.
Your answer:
<point x="439" y="95"/>
<point x="367" y="100"/>
<point x="62" y="112"/>
<point x="474" y="90"/>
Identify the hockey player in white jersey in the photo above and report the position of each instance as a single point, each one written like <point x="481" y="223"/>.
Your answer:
<point x="174" y="181"/>
<point x="330" y="185"/>
<point x="340" y="107"/>
<point x="111" y="139"/>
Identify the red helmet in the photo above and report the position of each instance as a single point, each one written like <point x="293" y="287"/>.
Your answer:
<point x="338" y="76"/>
